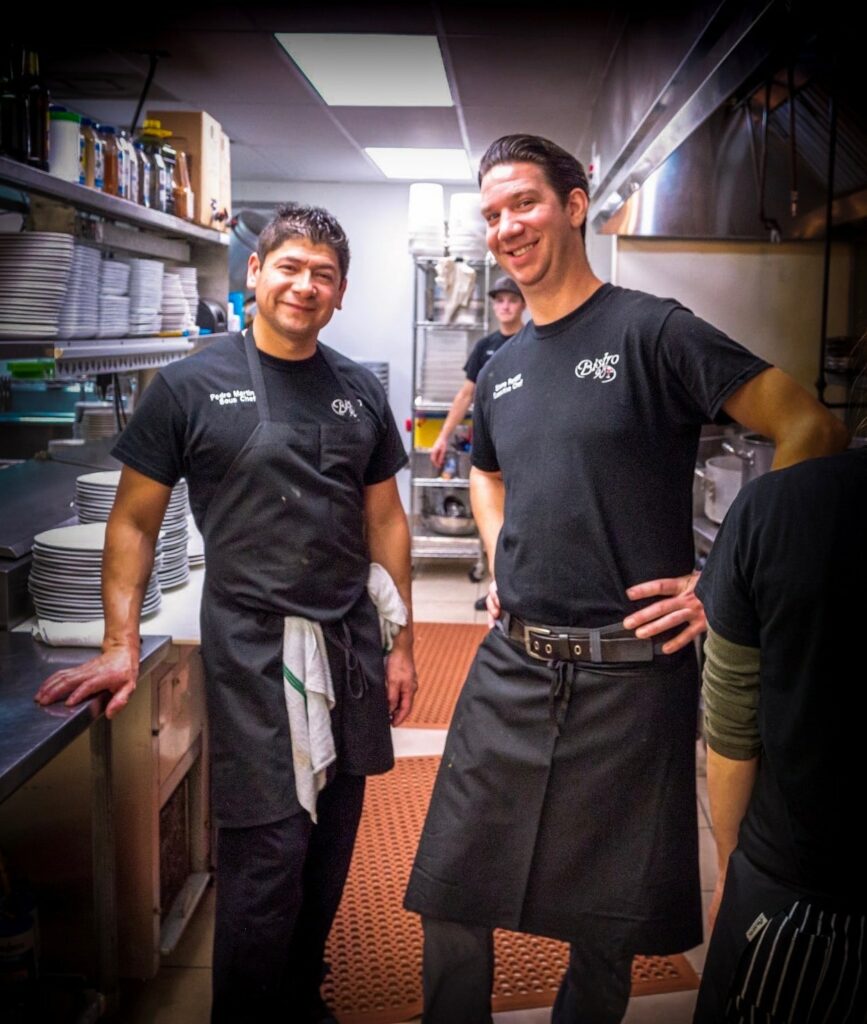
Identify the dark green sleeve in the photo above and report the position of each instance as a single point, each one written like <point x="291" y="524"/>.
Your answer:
<point x="730" y="688"/>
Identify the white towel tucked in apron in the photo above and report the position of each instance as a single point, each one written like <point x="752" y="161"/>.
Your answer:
<point x="309" y="693"/>
<point x="309" y="689"/>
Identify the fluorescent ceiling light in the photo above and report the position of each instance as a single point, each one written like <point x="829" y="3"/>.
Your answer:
<point x="352" y="70"/>
<point x="421" y="164"/>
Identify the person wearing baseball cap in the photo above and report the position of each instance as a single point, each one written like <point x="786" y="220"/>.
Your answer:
<point x="509" y="305"/>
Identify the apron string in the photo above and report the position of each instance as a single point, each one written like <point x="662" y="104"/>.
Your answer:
<point x="356" y="679"/>
<point x="561" y="691"/>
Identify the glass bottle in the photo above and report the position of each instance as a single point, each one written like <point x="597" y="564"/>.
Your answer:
<point x="109" y="141"/>
<point x="145" y="173"/>
<point x="134" y="167"/>
<point x="13" y="125"/>
<point x="123" y="161"/>
<point x="170" y="156"/>
<point x="94" y="157"/>
<point x="152" y="144"/>
<point x="184" y="197"/>
<point x="35" y="101"/>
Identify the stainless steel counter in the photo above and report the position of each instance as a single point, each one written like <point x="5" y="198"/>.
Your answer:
<point x="31" y="735"/>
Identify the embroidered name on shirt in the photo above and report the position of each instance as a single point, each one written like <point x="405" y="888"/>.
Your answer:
<point x="343" y="407"/>
<point x="510" y="384"/>
<point x="236" y="397"/>
<point x="599" y="369"/>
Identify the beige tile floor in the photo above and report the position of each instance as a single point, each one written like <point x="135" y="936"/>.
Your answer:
<point x="180" y="993"/>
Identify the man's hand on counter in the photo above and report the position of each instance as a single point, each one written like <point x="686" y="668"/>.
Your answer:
<point x="115" y="670"/>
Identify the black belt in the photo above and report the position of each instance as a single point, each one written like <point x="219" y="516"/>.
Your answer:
<point x="569" y="643"/>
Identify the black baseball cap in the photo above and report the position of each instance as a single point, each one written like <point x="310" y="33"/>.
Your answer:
<point x="505" y="284"/>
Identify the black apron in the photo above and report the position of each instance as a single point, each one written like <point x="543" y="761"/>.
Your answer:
<point x="284" y="536"/>
<point x="586" y="832"/>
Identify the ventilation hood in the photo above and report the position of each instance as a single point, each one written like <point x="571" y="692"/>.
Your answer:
<point x="751" y="120"/>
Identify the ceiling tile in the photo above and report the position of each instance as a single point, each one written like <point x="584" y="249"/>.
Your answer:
<point x="401" y="126"/>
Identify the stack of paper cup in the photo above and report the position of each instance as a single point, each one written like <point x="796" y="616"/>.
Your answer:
<point x="427" y="234"/>
<point x="466" y="234"/>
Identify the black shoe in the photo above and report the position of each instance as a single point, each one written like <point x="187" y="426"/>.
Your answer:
<point x="481" y="604"/>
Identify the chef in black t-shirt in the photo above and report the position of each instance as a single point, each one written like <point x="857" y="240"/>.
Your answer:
<point x="565" y="802"/>
<point x="290" y="452"/>
<point x="508" y="305"/>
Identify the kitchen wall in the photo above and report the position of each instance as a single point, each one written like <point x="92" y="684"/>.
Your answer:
<point x="767" y="296"/>
<point x="376" y="320"/>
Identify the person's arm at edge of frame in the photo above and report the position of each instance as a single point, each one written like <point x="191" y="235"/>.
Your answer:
<point x="389" y="543"/>
<point x="772" y="404"/>
<point x="130" y="541"/>
<point x="730" y="691"/>
<point x="488" y="502"/>
<point x="458" y="410"/>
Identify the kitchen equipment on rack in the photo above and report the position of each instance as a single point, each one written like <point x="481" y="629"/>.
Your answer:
<point x="755" y="451"/>
<point x="722" y="478"/>
<point x="447" y="512"/>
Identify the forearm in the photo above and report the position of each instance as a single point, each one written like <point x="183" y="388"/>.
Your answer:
<point x="389" y="544"/>
<point x="488" y="500"/>
<point x="127" y="564"/>
<point x="729" y="786"/>
<point x="457" y="411"/>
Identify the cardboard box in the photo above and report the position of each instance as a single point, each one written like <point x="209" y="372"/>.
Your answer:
<point x="200" y="136"/>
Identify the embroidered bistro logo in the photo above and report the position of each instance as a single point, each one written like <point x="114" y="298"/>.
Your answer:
<point x="599" y="369"/>
<point x="343" y="407"/>
<point x="510" y="384"/>
<point x="236" y="397"/>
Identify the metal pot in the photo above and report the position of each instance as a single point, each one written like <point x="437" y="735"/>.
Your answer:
<point x="722" y="477"/>
<point x="756" y="452"/>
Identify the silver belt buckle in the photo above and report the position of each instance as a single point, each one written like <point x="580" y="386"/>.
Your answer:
<point x="546" y="645"/>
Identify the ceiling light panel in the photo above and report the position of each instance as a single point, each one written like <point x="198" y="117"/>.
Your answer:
<point x="365" y="70"/>
<point x="422" y="164"/>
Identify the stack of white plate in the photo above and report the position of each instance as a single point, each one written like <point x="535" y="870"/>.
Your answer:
<point x="66" y="575"/>
<point x="79" y="314"/>
<point x="34" y="270"/>
<point x="195" y="544"/>
<point x="146" y="297"/>
<point x="175" y="311"/>
<point x="466" y="228"/>
<point x="114" y="300"/>
<point x="174" y="568"/>
<point x="190" y="285"/>
<point x="442" y="372"/>
<point x="94" y="498"/>
<point x="427" y="229"/>
<point x="95" y="420"/>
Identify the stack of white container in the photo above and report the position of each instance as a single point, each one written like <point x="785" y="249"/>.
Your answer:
<point x="113" y="299"/>
<point x="190" y="286"/>
<point x="174" y="310"/>
<point x="427" y="228"/>
<point x="79" y="314"/>
<point x="146" y="297"/>
<point x="466" y="228"/>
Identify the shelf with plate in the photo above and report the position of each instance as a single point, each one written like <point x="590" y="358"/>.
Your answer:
<point x="117" y="226"/>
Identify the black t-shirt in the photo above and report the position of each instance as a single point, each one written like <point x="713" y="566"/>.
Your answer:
<point x="197" y="414"/>
<point x="482" y="351"/>
<point x="594" y="421"/>
<point x="786" y="574"/>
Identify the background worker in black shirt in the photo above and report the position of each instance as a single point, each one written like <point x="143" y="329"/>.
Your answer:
<point x="784" y="707"/>
<point x="565" y="802"/>
<point x="508" y="305"/>
<point x="290" y="453"/>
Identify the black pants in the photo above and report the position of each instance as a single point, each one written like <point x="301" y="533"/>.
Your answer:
<point x="458" y="976"/>
<point x="278" y="889"/>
